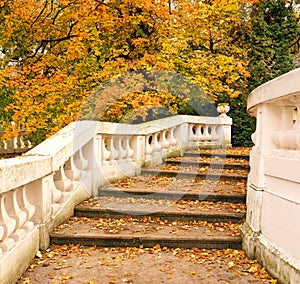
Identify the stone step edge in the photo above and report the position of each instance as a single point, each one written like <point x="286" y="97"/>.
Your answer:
<point x="212" y="165"/>
<point x="94" y="212"/>
<point x="204" y="154"/>
<point x="172" y="195"/>
<point x="195" y="175"/>
<point x="147" y="241"/>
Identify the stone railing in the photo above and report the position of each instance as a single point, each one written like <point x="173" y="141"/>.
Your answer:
<point x="271" y="232"/>
<point x="39" y="189"/>
<point x="15" y="145"/>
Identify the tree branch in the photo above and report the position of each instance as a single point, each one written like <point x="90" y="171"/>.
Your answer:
<point x="40" y="14"/>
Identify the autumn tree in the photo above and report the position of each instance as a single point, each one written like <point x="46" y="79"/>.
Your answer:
<point x="44" y="62"/>
<point x="199" y="40"/>
<point x="206" y="45"/>
<point x="56" y="53"/>
<point x="144" y="95"/>
<point x="6" y="99"/>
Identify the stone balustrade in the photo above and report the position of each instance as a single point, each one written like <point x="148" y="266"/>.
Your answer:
<point x="14" y="145"/>
<point x="39" y="189"/>
<point x="271" y="232"/>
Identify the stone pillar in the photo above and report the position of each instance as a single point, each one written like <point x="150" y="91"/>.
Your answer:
<point x="224" y="132"/>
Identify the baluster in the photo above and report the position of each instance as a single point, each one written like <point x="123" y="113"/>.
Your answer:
<point x="157" y="145"/>
<point x="25" y="143"/>
<point x="19" y="144"/>
<point x="128" y="148"/>
<point x="8" y="224"/>
<point x="164" y="141"/>
<point x="105" y="152"/>
<point x="192" y="132"/>
<point x="214" y="134"/>
<point x="71" y="171"/>
<point x="173" y="140"/>
<point x="168" y="137"/>
<point x="80" y="161"/>
<point x="62" y="182"/>
<point x="19" y="215"/>
<point x="292" y="136"/>
<point x="149" y="146"/>
<point x="26" y="206"/>
<point x="207" y="131"/>
<point x="56" y="195"/>
<point x="80" y="164"/>
<point x="15" y="143"/>
<point x="199" y="133"/>
<point x="280" y="138"/>
<point x="122" y="150"/>
<point x="114" y="152"/>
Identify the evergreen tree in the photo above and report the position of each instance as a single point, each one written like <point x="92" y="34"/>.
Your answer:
<point x="273" y="31"/>
<point x="274" y="27"/>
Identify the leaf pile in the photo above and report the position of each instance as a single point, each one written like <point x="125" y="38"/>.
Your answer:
<point x="202" y="169"/>
<point x="210" y="160"/>
<point x="179" y="205"/>
<point x="158" y="183"/>
<point x="147" y="225"/>
<point x="228" y="151"/>
<point x="76" y="264"/>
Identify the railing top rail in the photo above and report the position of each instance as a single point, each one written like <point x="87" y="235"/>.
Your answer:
<point x="150" y="127"/>
<point x="46" y="157"/>
<point x="285" y="87"/>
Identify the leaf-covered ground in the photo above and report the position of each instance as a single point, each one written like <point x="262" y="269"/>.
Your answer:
<point x="95" y="265"/>
<point x="156" y="227"/>
<point x="202" y="169"/>
<point x="180" y="205"/>
<point x="165" y="183"/>
<point x="210" y="160"/>
<point x="229" y="151"/>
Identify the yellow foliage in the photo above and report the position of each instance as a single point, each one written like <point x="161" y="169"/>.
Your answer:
<point x="57" y="53"/>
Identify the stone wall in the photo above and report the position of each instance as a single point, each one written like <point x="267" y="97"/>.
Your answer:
<point x="272" y="229"/>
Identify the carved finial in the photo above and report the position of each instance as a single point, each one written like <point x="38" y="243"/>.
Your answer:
<point x="223" y="108"/>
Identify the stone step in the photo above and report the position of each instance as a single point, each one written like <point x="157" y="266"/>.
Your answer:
<point x="210" y="174"/>
<point x="172" y="188"/>
<point x="173" y="195"/>
<point x="147" y="232"/>
<point x="213" y="154"/>
<point x="112" y="207"/>
<point x="231" y="153"/>
<point x="195" y="164"/>
<point x="187" y="202"/>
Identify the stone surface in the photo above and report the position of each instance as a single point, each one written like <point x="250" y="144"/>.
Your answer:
<point x="16" y="261"/>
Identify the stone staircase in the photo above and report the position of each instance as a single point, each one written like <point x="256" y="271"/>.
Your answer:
<point x="193" y="201"/>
